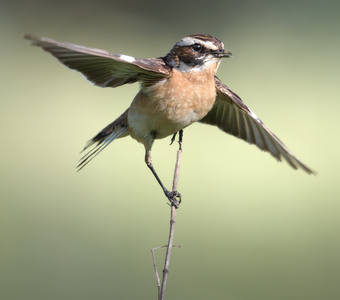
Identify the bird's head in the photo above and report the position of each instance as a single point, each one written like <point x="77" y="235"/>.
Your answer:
<point x="196" y="52"/>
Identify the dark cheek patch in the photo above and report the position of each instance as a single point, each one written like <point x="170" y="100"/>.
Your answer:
<point x="190" y="57"/>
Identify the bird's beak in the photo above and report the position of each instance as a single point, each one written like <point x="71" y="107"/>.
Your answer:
<point x="222" y="53"/>
<point x="227" y="54"/>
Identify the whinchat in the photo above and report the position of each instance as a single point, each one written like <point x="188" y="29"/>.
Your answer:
<point x="175" y="91"/>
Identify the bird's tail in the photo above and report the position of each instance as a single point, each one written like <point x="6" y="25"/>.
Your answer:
<point x="116" y="129"/>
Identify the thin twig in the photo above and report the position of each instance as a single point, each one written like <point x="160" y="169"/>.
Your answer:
<point x="155" y="267"/>
<point x="172" y="220"/>
<point x="168" y="251"/>
<point x="178" y="162"/>
<point x="161" y="289"/>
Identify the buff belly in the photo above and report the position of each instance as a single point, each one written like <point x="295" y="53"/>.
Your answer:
<point x="168" y="107"/>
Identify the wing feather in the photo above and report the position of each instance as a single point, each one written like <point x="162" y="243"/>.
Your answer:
<point x="231" y="115"/>
<point x="103" y="68"/>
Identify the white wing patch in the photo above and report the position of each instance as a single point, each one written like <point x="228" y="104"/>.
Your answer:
<point x="127" y="58"/>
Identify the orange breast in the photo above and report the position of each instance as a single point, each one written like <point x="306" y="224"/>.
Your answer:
<point x="171" y="105"/>
<point x="185" y="97"/>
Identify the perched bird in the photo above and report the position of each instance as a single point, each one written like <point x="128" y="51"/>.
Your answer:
<point x="175" y="91"/>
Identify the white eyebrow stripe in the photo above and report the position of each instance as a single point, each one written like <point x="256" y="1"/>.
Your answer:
<point x="127" y="58"/>
<point x="187" y="41"/>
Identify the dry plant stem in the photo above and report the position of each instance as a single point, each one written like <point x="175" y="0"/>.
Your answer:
<point x="178" y="162"/>
<point x="168" y="251"/>
<point x="156" y="272"/>
<point x="172" y="220"/>
<point x="155" y="267"/>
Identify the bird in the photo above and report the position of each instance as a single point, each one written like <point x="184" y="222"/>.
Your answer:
<point x="176" y="91"/>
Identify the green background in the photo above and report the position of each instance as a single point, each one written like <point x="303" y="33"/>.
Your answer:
<point x="250" y="228"/>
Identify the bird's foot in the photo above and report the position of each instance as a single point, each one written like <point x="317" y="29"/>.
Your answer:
<point x="174" y="197"/>
<point x="173" y="138"/>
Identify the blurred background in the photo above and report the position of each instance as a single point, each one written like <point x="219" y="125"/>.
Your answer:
<point x="250" y="227"/>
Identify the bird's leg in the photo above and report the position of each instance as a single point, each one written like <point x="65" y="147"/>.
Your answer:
<point x="173" y="138"/>
<point x="180" y="139"/>
<point x="172" y="196"/>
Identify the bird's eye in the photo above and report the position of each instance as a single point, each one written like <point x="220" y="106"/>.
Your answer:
<point x="197" y="47"/>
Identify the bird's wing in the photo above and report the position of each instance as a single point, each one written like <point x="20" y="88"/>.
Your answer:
<point x="231" y="115"/>
<point x="103" y="68"/>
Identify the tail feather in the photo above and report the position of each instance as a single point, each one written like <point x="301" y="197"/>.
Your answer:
<point x="116" y="129"/>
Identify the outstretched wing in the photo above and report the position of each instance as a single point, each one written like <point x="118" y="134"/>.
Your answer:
<point x="231" y="115"/>
<point x="103" y="68"/>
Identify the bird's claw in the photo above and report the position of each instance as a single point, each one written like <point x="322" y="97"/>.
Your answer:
<point x="174" y="197"/>
<point x="173" y="138"/>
